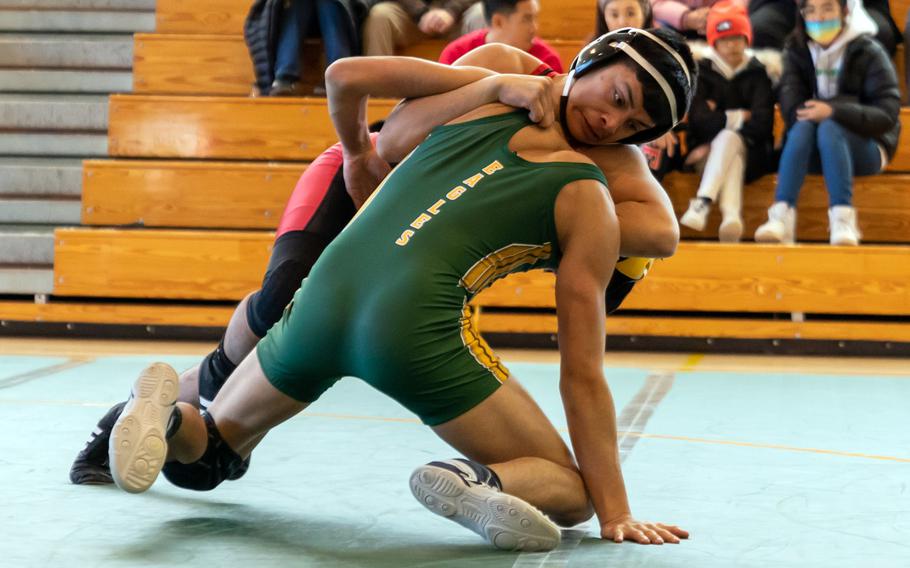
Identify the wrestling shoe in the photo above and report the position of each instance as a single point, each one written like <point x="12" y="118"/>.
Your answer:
<point x="91" y="466"/>
<point x="469" y="494"/>
<point x="138" y="444"/>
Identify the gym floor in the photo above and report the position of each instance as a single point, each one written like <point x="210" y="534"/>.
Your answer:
<point x="767" y="461"/>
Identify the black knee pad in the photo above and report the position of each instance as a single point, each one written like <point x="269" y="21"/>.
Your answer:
<point x="213" y="372"/>
<point x="219" y="462"/>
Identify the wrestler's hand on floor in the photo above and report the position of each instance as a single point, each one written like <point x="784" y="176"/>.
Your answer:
<point x="528" y="92"/>
<point x="627" y="528"/>
<point x="363" y="173"/>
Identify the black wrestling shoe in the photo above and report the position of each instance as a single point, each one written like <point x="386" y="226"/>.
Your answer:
<point x="469" y="494"/>
<point x="91" y="466"/>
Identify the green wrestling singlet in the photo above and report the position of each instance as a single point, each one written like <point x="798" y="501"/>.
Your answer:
<point x="387" y="300"/>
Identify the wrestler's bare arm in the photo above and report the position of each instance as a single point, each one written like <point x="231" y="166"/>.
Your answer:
<point x="413" y="119"/>
<point x="649" y="227"/>
<point x="588" y="235"/>
<point x="645" y="212"/>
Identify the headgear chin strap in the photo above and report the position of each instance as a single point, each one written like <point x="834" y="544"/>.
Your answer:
<point x="606" y="47"/>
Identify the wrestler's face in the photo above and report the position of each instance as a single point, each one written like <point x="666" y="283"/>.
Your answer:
<point x="606" y="106"/>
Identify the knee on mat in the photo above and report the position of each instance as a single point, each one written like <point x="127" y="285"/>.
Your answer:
<point x="581" y="513"/>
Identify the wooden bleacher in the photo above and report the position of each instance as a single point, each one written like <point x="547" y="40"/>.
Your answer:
<point x="219" y="64"/>
<point x="253" y="195"/>
<point x="201" y="228"/>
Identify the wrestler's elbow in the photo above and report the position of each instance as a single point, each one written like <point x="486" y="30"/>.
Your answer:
<point x="664" y="238"/>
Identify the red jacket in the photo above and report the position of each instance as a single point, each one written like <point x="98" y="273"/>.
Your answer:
<point x="539" y="49"/>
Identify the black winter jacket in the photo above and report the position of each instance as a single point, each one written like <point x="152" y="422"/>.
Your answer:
<point x="868" y="100"/>
<point x="260" y="30"/>
<point x="750" y="89"/>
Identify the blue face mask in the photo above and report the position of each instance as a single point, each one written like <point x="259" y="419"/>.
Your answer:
<point x="825" y="31"/>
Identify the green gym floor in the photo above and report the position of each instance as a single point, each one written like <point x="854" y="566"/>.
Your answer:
<point x="768" y="462"/>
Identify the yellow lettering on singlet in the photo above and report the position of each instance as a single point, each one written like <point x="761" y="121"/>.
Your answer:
<point x="404" y="238"/>
<point x="434" y="209"/>
<point x="472" y="181"/>
<point x="494" y="167"/>
<point x="456" y="193"/>
<point x="420" y="221"/>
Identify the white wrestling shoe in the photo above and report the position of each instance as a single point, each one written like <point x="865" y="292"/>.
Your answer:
<point x="138" y="445"/>
<point x="462" y="491"/>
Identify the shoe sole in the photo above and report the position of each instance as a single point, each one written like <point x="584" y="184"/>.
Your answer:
<point x="506" y="522"/>
<point x="138" y="446"/>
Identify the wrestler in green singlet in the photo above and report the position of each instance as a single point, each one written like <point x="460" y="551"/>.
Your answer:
<point x="387" y="300"/>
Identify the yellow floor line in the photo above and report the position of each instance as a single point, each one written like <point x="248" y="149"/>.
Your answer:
<point x="670" y="437"/>
<point x="692" y="362"/>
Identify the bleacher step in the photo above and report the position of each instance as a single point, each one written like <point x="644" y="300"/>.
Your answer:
<point x="26" y="245"/>
<point x="59" y="144"/>
<point x="40" y="211"/>
<point x="40" y="177"/>
<point x="53" y="112"/>
<point x="26" y="280"/>
<point x="64" y="81"/>
<point x="63" y="20"/>
<point x="83" y="51"/>
<point x="113" y="5"/>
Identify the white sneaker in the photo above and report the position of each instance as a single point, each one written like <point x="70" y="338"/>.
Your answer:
<point x="138" y="445"/>
<point x="731" y="229"/>
<point x="696" y="216"/>
<point x="842" y="225"/>
<point x="453" y="491"/>
<point x="781" y="225"/>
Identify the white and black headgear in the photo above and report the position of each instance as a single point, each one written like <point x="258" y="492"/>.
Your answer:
<point x="674" y="78"/>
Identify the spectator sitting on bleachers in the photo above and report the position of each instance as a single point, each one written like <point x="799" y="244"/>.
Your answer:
<point x="512" y="22"/>
<point x="906" y="58"/>
<point x="274" y="30"/>
<point x="616" y="14"/>
<point x="841" y="103"/>
<point x="888" y="34"/>
<point x="688" y="17"/>
<point x="731" y="121"/>
<point x="394" y="25"/>
<point x="773" y="20"/>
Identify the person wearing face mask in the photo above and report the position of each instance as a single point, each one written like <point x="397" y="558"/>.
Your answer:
<point x="512" y="22"/>
<point x="730" y="123"/>
<point x="841" y="103"/>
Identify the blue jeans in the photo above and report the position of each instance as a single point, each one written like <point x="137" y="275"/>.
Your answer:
<point x="830" y="149"/>
<point x="300" y="18"/>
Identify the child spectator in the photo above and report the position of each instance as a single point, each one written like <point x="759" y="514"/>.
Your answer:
<point x="393" y="25"/>
<point x="617" y="14"/>
<point x="730" y="122"/>
<point x="841" y="103"/>
<point x="274" y="30"/>
<point x="512" y="22"/>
